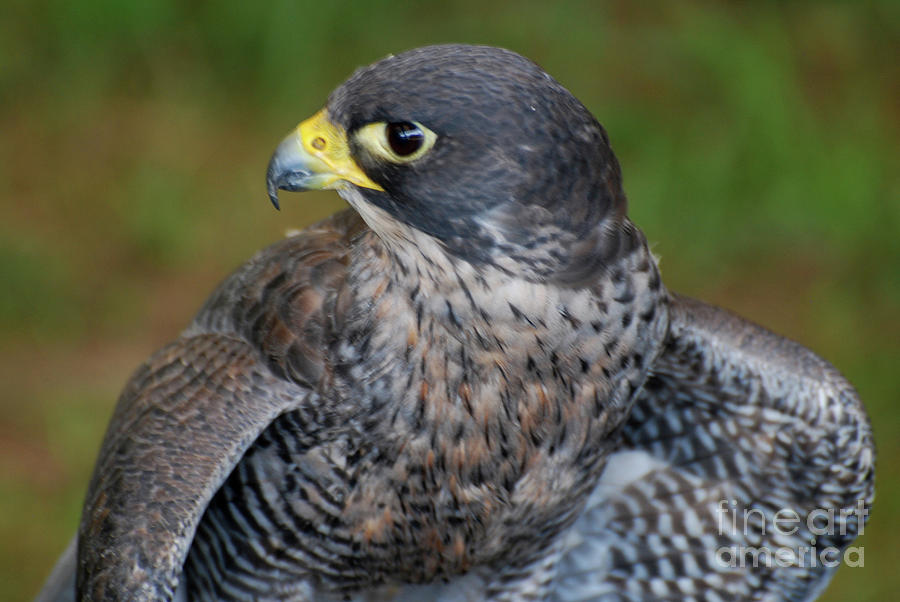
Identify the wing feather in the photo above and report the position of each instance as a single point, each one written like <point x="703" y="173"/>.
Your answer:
<point x="183" y="423"/>
<point x="745" y="470"/>
<point x="188" y="415"/>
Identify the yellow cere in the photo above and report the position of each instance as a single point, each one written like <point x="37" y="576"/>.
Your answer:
<point x="328" y="143"/>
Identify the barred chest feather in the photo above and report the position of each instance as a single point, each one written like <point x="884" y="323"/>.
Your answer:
<point x="471" y="414"/>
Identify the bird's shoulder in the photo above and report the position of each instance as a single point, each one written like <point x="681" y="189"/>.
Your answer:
<point x="288" y="297"/>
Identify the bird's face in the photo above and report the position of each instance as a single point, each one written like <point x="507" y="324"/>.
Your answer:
<point x="476" y="147"/>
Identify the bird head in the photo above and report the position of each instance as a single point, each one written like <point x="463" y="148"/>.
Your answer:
<point x="476" y="147"/>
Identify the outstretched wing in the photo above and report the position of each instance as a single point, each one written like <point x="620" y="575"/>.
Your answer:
<point x="182" y="424"/>
<point x="189" y="414"/>
<point x="745" y="471"/>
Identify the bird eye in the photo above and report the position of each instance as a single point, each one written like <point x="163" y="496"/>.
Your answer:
<point x="396" y="141"/>
<point x="404" y="138"/>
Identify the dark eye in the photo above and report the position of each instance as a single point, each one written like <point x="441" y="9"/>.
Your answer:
<point x="405" y="138"/>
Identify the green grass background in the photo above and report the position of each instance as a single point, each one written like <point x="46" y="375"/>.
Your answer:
<point x="759" y="143"/>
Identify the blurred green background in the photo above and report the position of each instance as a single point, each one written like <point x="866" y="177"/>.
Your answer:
<point x="759" y="143"/>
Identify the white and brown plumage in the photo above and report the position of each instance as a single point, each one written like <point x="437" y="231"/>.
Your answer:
<point x="473" y="386"/>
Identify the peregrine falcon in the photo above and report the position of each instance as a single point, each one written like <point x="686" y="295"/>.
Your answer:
<point x="471" y="385"/>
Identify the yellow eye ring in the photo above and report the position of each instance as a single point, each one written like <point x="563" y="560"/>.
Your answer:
<point x="396" y="141"/>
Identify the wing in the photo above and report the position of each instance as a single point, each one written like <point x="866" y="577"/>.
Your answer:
<point x="745" y="472"/>
<point x="190" y="412"/>
<point x="182" y="424"/>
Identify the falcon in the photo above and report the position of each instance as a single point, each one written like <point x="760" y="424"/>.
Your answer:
<point x="471" y="385"/>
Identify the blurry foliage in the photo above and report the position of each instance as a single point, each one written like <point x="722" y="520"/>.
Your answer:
<point x="36" y="282"/>
<point x="759" y="145"/>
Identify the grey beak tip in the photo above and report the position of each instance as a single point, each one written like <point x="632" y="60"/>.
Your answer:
<point x="273" y="193"/>
<point x="289" y="169"/>
<point x="273" y="177"/>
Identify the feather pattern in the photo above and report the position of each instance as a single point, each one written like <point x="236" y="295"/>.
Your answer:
<point x="745" y="471"/>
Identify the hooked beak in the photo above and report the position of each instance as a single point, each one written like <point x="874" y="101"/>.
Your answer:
<point x="315" y="156"/>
